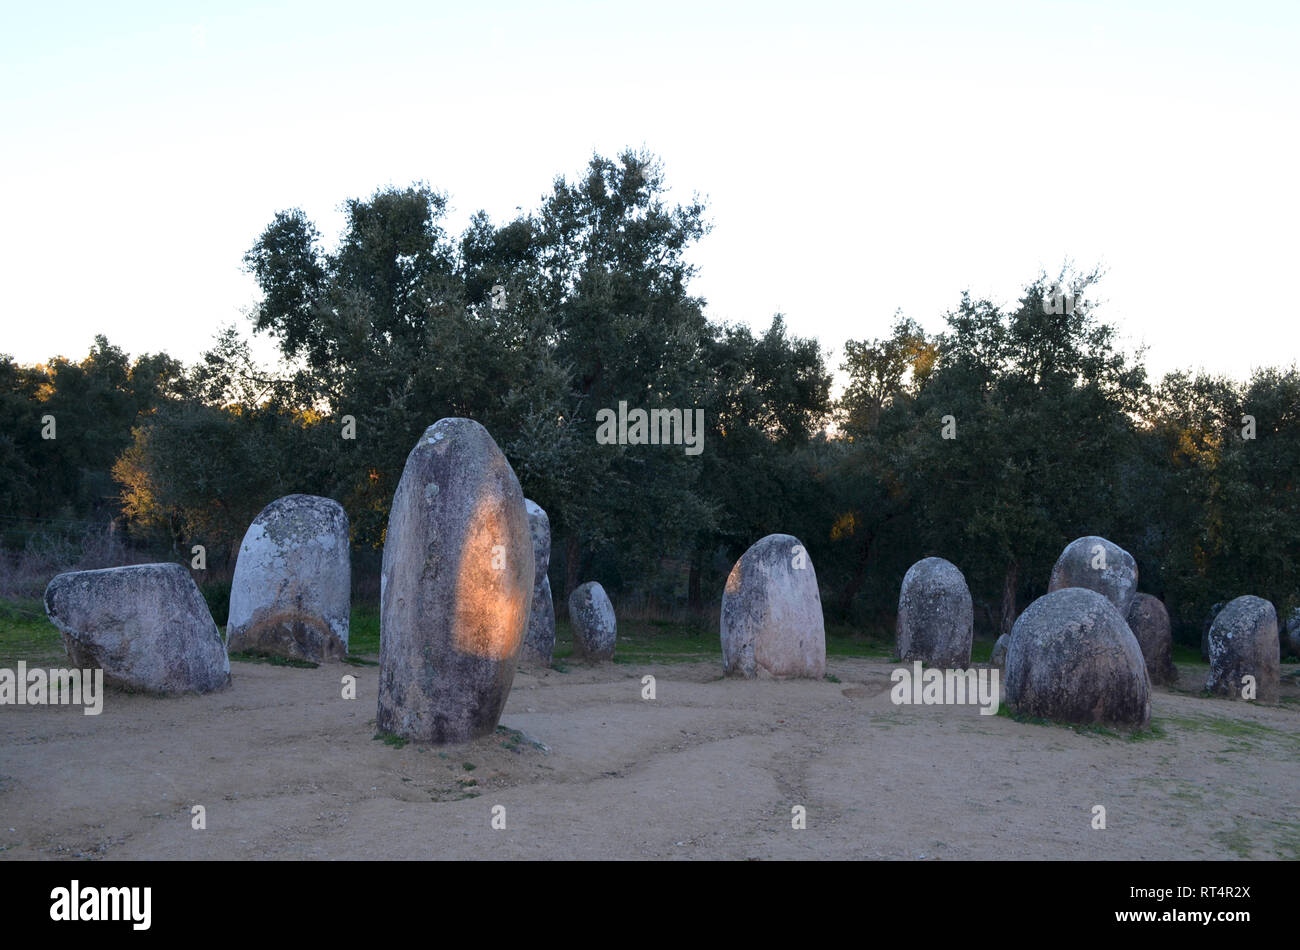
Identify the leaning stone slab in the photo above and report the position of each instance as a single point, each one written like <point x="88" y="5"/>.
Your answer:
<point x="936" y="619"/>
<point x="1072" y="658"/>
<point x="291" y="594"/>
<point x="539" y="642"/>
<point x="1096" y="564"/>
<point x="1149" y="621"/>
<point x="146" y="625"/>
<point x="455" y="588"/>
<point x="594" y="626"/>
<point x="771" y="623"/>
<point x="1244" y="642"/>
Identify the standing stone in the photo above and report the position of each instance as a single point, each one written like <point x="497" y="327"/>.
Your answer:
<point x="936" y="619"/>
<point x="291" y="595"/>
<point x="539" y="642"/>
<point x="1149" y="621"/>
<point x="455" y="588"/>
<point x="1293" y="632"/>
<point x="771" y="621"/>
<point x="1205" y="630"/>
<point x="1244" y="642"/>
<point x="1072" y="658"/>
<point x="999" y="657"/>
<point x="1096" y="564"/>
<point x="592" y="618"/>
<point x="147" y="626"/>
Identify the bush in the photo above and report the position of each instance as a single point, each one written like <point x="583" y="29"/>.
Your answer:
<point x="217" y="594"/>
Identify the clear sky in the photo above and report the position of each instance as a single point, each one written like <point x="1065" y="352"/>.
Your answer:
<point x="857" y="158"/>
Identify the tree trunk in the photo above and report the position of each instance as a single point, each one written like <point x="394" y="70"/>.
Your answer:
<point x="1010" y="581"/>
<point x="859" y="574"/>
<point x="572" y="557"/>
<point x="694" y="596"/>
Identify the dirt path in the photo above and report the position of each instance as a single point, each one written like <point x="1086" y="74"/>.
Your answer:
<point x="286" y="768"/>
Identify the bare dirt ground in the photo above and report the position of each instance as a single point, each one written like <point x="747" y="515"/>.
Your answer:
<point x="711" y="768"/>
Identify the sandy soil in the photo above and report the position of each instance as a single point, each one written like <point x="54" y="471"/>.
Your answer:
<point x="711" y="768"/>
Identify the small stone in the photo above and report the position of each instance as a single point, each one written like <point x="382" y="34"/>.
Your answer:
<point x="594" y="626"/>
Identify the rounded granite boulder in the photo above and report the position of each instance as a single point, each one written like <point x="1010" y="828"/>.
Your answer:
<point x="146" y="625"/>
<point x="1094" y="563"/>
<point x="291" y="593"/>
<point x="771" y="623"/>
<point x="455" y="589"/>
<point x="1072" y="658"/>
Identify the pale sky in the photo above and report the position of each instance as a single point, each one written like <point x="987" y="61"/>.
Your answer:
<point x="857" y="158"/>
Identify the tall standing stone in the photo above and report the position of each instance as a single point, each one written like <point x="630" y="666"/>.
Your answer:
<point x="1149" y="621"/>
<point x="146" y="626"/>
<point x="1072" y="658"/>
<point x="1094" y="563"/>
<point x="291" y="594"/>
<point x="1244" y="642"/>
<point x="591" y="615"/>
<point x="936" y="619"/>
<point x="455" y="589"/>
<point x="771" y="623"/>
<point x="539" y="642"/>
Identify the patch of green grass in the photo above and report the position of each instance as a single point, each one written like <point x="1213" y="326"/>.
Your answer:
<point x="363" y="630"/>
<point x="1235" y="840"/>
<point x="674" y="641"/>
<point x="517" y="739"/>
<point x="468" y="766"/>
<point x="359" y="661"/>
<point x="831" y="678"/>
<point x="1153" y="731"/>
<point x="27" y="634"/>
<point x="390" y="740"/>
<point x="1246" y="731"/>
<point x="848" y="641"/>
<point x="273" y="660"/>
<point x="1190" y="656"/>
